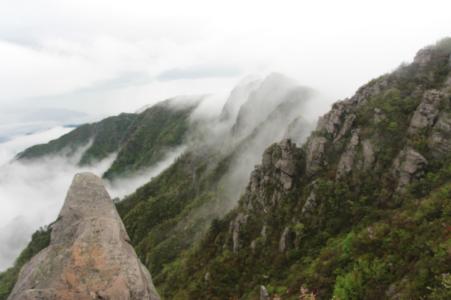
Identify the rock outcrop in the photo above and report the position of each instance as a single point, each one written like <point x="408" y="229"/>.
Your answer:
<point x="426" y="113"/>
<point x="89" y="256"/>
<point x="408" y="166"/>
<point x="347" y="158"/>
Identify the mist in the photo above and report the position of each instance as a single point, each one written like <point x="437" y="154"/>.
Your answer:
<point x="32" y="192"/>
<point x="122" y="186"/>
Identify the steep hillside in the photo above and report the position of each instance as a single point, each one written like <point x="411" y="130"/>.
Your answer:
<point x="361" y="211"/>
<point x="169" y="214"/>
<point x="105" y="137"/>
<point x="154" y="132"/>
<point x="140" y="140"/>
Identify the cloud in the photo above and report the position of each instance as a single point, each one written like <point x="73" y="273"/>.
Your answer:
<point x="121" y="187"/>
<point x="10" y="148"/>
<point x="101" y="55"/>
<point x="196" y="72"/>
<point x="32" y="192"/>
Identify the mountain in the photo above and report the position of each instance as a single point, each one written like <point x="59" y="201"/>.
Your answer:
<point x="140" y="140"/>
<point x="88" y="256"/>
<point x="257" y="207"/>
<point x="170" y="213"/>
<point x="104" y="136"/>
<point x="360" y="211"/>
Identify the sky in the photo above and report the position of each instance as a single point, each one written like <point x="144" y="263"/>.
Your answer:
<point x="86" y="59"/>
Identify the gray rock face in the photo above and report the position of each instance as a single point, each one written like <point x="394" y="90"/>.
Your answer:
<point x="316" y="147"/>
<point x="408" y="165"/>
<point x="368" y="154"/>
<point x="426" y="112"/>
<point x="235" y="225"/>
<point x="347" y="159"/>
<point x="279" y="165"/>
<point x="332" y="121"/>
<point x="284" y="239"/>
<point x="310" y="203"/>
<point x="347" y="124"/>
<point x="440" y="138"/>
<point x="424" y="57"/>
<point x="264" y="295"/>
<point x="89" y="256"/>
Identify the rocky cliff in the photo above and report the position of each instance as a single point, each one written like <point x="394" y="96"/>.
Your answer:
<point x="360" y="211"/>
<point x="89" y="255"/>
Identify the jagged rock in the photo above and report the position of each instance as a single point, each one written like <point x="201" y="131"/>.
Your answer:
<point x="283" y="239"/>
<point x="280" y="166"/>
<point x="347" y="158"/>
<point x="235" y="225"/>
<point x="264" y="295"/>
<point x="349" y="121"/>
<point x="424" y="57"/>
<point x="368" y="154"/>
<point x="331" y="122"/>
<point x="407" y="166"/>
<point x="311" y="202"/>
<point x="440" y="138"/>
<point x="427" y="111"/>
<point x="89" y="256"/>
<point x="315" y="154"/>
<point x="287" y="163"/>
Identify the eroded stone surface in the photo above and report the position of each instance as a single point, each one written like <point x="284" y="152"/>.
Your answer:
<point x="89" y="256"/>
<point x="426" y="113"/>
<point x="408" y="165"/>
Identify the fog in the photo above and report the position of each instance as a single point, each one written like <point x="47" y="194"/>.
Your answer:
<point x="259" y="111"/>
<point x="32" y="192"/>
<point x="18" y="142"/>
<point x="114" y="56"/>
<point x="121" y="187"/>
<point x="241" y="123"/>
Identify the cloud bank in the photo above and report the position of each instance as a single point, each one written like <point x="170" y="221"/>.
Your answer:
<point x="32" y="192"/>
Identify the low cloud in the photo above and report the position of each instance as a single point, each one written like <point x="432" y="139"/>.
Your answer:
<point x="17" y="140"/>
<point x="197" y="72"/>
<point x="121" y="187"/>
<point x="33" y="192"/>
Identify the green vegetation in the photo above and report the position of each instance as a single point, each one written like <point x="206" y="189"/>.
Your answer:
<point x="361" y="239"/>
<point x="105" y="136"/>
<point x="155" y="131"/>
<point x="140" y="140"/>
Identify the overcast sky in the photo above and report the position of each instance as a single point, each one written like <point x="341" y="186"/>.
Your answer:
<point x="100" y="57"/>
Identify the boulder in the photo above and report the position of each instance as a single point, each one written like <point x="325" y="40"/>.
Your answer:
<point x="89" y="256"/>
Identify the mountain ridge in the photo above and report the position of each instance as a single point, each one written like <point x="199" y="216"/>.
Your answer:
<point x="360" y="210"/>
